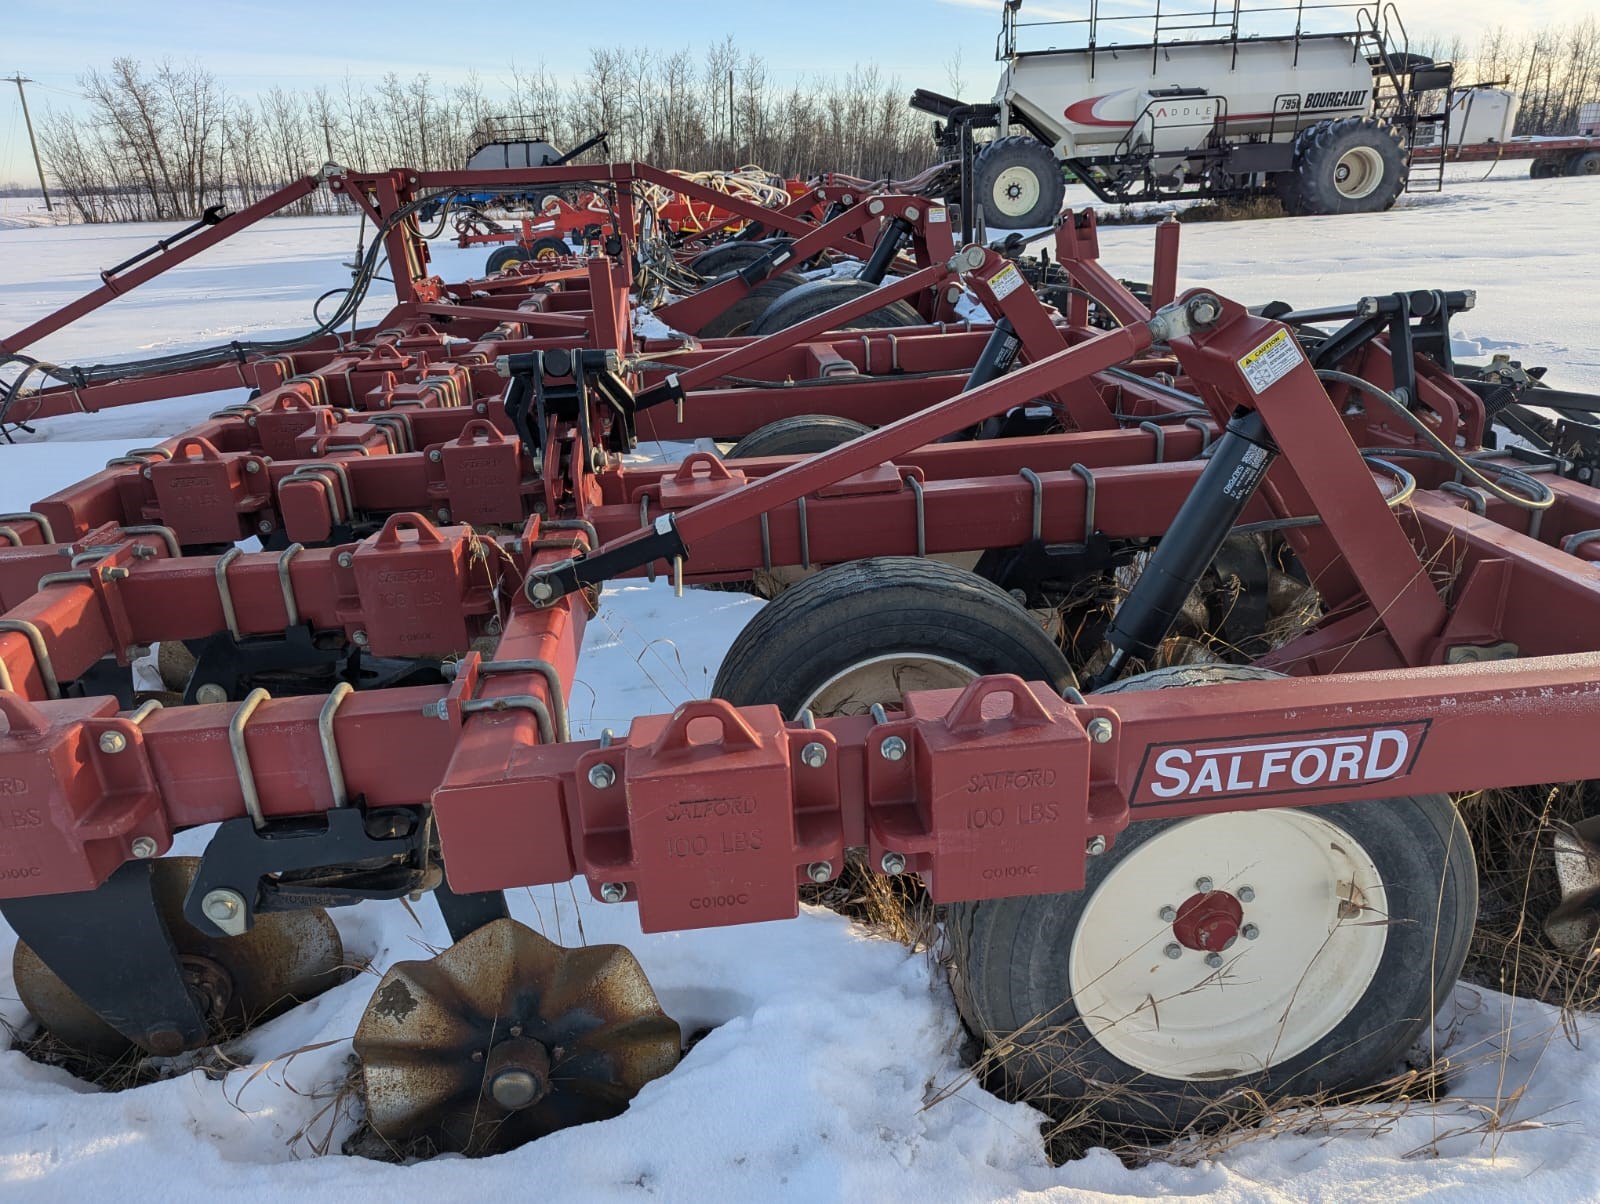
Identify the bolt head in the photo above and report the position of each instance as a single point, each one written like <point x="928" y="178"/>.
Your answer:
<point x="359" y="638"/>
<point x="1203" y="885"/>
<point x="346" y="560"/>
<point x="265" y="526"/>
<point x="221" y="905"/>
<point x="613" y="892"/>
<point x="211" y="693"/>
<point x="601" y="775"/>
<point x="1204" y="310"/>
<point x="143" y="847"/>
<point x="1245" y="894"/>
<point x="435" y="455"/>
<point x="146" y="473"/>
<point x="112" y="742"/>
<point x="1213" y="960"/>
<point x="1100" y="729"/>
<point x="444" y="515"/>
<point x="1249" y="932"/>
<point x="1174" y="951"/>
<point x="820" y="871"/>
<point x="1095" y="846"/>
<point x="1168" y="913"/>
<point x="815" y="754"/>
<point x="893" y="749"/>
<point x="252" y="466"/>
<point x="542" y="591"/>
<point x="893" y="863"/>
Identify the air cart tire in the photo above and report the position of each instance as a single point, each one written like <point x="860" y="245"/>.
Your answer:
<point x="1018" y="182"/>
<point x="1584" y="163"/>
<point x="1355" y="165"/>
<point x="818" y="296"/>
<point x="1545" y="169"/>
<point x="871" y="630"/>
<point x="797" y="435"/>
<point x="1324" y="943"/>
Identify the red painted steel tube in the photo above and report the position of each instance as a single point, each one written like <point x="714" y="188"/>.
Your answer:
<point x="115" y="286"/>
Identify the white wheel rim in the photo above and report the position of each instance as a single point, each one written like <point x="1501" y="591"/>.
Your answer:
<point x="1016" y="191"/>
<point x="885" y="679"/>
<point x="1317" y="902"/>
<point x="1358" y="173"/>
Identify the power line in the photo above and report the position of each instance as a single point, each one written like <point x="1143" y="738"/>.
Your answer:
<point x="19" y="79"/>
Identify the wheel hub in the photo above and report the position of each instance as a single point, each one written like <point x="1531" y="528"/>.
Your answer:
<point x="1208" y="922"/>
<point x="517" y="1073"/>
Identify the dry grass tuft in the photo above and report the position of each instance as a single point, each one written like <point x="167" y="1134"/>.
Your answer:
<point x="894" y="907"/>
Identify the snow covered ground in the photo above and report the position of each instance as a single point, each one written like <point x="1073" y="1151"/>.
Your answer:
<point x="833" y="1070"/>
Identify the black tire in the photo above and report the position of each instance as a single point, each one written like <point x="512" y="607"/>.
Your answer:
<point x="818" y="296"/>
<point x="549" y="247"/>
<point x="853" y="613"/>
<point x="1354" y="165"/>
<point x="1584" y="163"/>
<point x="1544" y="169"/>
<point x="1010" y="960"/>
<point x="797" y="435"/>
<point x="739" y="317"/>
<point x="501" y="256"/>
<point x="1018" y="182"/>
<point x="730" y="257"/>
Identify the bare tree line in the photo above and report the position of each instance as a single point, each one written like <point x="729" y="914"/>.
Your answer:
<point x="166" y="142"/>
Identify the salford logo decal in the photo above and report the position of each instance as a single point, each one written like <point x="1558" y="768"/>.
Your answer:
<point x="1277" y="763"/>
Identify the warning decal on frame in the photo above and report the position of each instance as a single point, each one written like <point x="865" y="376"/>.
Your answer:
<point x="1005" y="282"/>
<point x="936" y="213"/>
<point x="1271" y="362"/>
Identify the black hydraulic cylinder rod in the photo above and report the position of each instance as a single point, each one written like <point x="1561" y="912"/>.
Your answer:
<point x="998" y="354"/>
<point x="1240" y="462"/>
<point x="883" y="253"/>
<point x="993" y="362"/>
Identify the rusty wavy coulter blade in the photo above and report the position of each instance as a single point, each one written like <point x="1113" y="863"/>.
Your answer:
<point x="505" y="1037"/>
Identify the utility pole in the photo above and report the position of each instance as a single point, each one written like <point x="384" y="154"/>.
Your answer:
<point x="19" y="79"/>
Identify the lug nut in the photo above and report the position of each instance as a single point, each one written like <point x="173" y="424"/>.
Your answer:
<point x="1203" y="885"/>
<point x="820" y="871"/>
<point x="1174" y="951"/>
<point x="815" y="755"/>
<point x="143" y="847"/>
<point x="893" y="863"/>
<point x="1249" y="932"/>
<point x="893" y="748"/>
<point x="1096" y="846"/>
<point x="1168" y="913"/>
<point x="613" y="892"/>
<point x="1246" y="894"/>
<point x="1100" y="730"/>
<point x="1213" y="960"/>
<point x="112" y="742"/>
<point x="601" y="775"/>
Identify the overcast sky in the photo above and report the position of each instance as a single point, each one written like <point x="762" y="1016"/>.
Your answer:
<point x="300" y="43"/>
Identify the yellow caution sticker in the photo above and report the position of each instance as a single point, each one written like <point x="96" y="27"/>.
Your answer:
<point x="1271" y="362"/>
<point x="1006" y="281"/>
